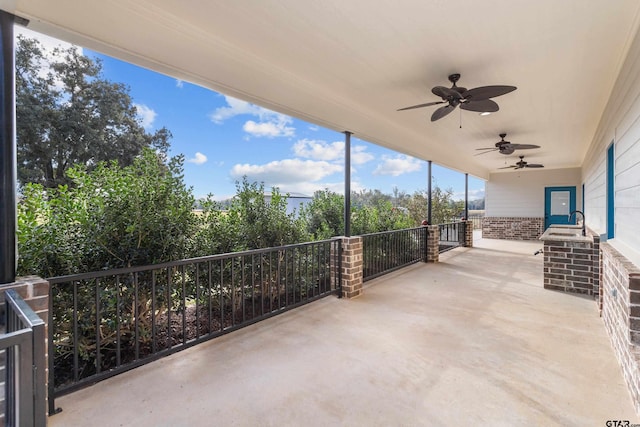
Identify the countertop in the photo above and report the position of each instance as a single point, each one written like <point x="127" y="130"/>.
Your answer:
<point x="565" y="233"/>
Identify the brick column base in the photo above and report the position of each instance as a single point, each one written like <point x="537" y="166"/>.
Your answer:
<point x="468" y="234"/>
<point x="34" y="290"/>
<point x="352" y="266"/>
<point x="433" y="243"/>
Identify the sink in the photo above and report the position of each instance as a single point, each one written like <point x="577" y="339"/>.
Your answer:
<point x="563" y="233"/>
<point x="566" y="226"/>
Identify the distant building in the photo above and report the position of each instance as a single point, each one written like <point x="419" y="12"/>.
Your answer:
<point x="294" y="201"/>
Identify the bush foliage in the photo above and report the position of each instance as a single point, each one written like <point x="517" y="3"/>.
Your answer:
<point x="116" y="216"/>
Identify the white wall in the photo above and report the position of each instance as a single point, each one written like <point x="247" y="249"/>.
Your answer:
<point x="521" y="193"/>
<point x="620" y="123"/>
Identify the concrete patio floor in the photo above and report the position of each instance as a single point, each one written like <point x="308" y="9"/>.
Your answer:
<point x="474" y="339"/>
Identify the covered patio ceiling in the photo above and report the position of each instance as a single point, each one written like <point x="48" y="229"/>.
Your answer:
<point x="348" y="65"/>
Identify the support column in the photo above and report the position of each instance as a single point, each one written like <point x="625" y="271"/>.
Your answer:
<point x="352" y="263"/>
<point x="466" y="196"/>
<point x="433" y="243"/>
<point x="7" y="151"/>
<point x="347" y="184"/>
<point x="429" y="193"/>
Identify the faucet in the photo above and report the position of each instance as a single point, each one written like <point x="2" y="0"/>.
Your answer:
<point x="584" y="227"/>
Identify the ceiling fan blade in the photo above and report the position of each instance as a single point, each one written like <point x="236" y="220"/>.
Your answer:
<point x="428" y="104"/>
<point x="533" y="165"/>
<point x="485" y="105"/>
<point x="488" y="148"/>
<point x="509" y="167"/>
<point x="446" y="93"/>
<point x="523" y="146"/>
<point x="506" y="150"/>
<point x="484" y="152"/>
<point x="486" y="92"/>
<point x="441" y="112"/>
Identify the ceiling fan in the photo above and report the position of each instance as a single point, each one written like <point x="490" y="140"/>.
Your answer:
<point x="522" y="164"/>
<point x="506" y="147"/>
<point x="476" y="99"/>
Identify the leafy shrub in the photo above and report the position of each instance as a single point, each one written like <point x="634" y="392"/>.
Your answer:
<point x="109" y="218"/>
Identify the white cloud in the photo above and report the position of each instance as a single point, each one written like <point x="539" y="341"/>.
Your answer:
<point x="236" y="107"/>
<point x="396" y="166"/>
<point x="359" y="156"/>
<point x="277" y="126"/>
<point x="198" y="158"/>
<point x="179" y="83"/>
<point x="269" y="124"/>
<point x="314" y="128"/>
<point x="146" y="115"/>
<point x="322" y="150"/>
<point x="287" y="171"/>
<point x="319" y="150"/>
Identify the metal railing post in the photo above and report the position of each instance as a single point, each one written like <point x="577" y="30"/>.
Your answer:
<point x="25" y="403"/>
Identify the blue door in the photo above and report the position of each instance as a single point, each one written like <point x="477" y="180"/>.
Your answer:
<point x="559" y="202"/>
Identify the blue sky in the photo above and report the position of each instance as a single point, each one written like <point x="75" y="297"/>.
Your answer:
<point x="223" y="139"/>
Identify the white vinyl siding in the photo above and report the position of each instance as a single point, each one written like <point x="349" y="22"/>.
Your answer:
<point x="620" y="123"/>
<point x="521" y="193"/>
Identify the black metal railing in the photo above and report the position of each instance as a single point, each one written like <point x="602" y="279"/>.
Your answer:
<point x="451" y="235"/>
<point x="104" y="323"/>
<point x="390" y="250"/>
<point x="24" y="347"/>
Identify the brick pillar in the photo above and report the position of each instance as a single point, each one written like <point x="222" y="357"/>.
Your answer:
<point x="468" y="234"/>
<point x="351" y="266"/>
<point x="32" y="289"/>
<point x="35" y="291"/>
<point x="433" y="243"/>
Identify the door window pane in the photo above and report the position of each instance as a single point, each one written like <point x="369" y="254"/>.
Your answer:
<point x="560" y="203"/>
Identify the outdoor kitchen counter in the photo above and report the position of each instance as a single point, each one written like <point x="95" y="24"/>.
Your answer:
<point x="565" y="233"/>
<point x="569" y="262"/>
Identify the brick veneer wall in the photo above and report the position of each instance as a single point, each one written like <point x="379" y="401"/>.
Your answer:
<point x="512" y="228"/>
<point x="568" y="266"/>
<point x="620" y="290"/>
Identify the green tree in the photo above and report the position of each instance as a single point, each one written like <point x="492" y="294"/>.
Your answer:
<point x="324" y="216"/>
<point x="369" y="198"/>
<point x="383" y="217"/>
<point x="252" y="221"/>
<point x="443" y="208"/>
<point x="372" y="212"/>
<point x="110" y="217"/>
<point x="68" y="114"/>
